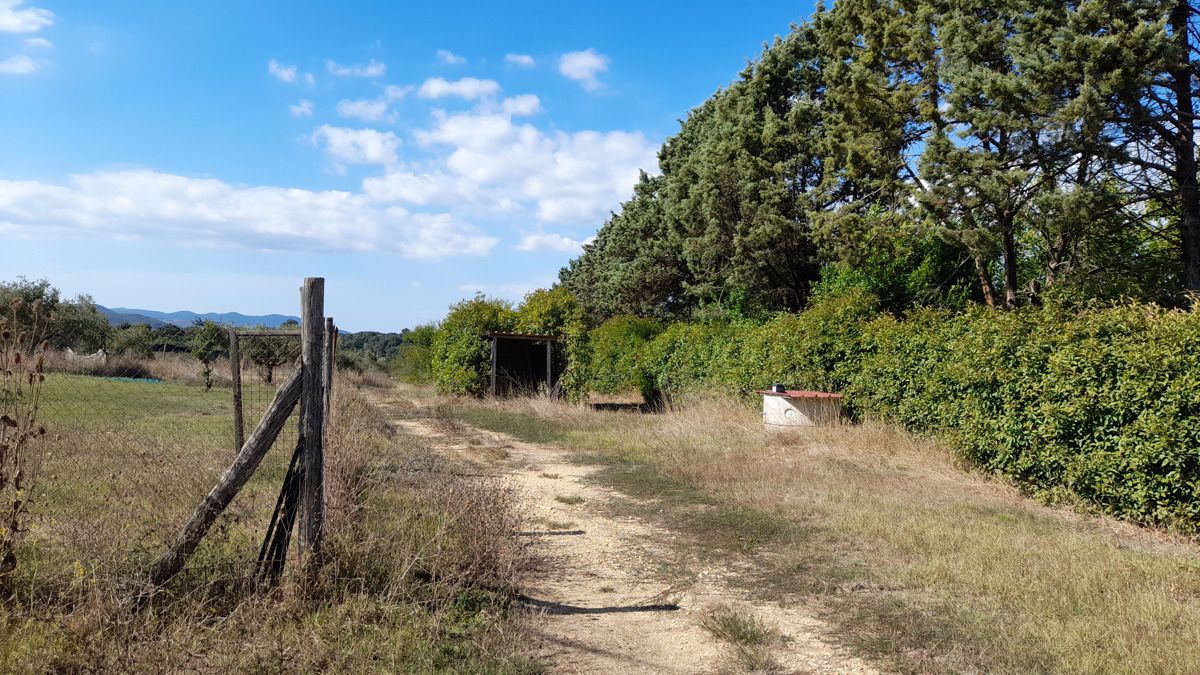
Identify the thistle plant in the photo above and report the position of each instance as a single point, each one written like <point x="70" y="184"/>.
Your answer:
<point x="22" y="375"/>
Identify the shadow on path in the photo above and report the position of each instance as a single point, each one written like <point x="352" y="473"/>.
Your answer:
<point x="560" y="609"/>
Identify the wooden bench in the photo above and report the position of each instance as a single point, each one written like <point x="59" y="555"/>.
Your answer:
<point x="793" y="408"/>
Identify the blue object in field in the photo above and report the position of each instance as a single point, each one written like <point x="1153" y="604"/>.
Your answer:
<point x="143" y="380"/>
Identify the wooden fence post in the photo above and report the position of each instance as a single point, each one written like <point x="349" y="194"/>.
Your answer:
<point x="235" y="373"/>
<point x="494" y="347"/>
<point x="312" y="418"/>
<point x="327" y="382"/>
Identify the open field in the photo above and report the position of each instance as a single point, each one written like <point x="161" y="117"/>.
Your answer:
<point x="919" y="565"/>
<point x="420" y="572"/>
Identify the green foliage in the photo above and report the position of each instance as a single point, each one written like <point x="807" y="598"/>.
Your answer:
<point x="555" y="311"/>
<point x="133" y="341"/>
<point x="412" y="361"/>
<point x="460" y="356"/>
<point x="78" y="324"/>
<point x="617" y="350"/>
<point x="269" y="353"/>
<point x="1009" y="153"/>
<point x="1102" y="403"/>
<point x="209" y="342"/>
<point x="377" y="346"/>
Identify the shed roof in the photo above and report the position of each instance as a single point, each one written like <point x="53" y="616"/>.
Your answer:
<point x="519" y="336"/>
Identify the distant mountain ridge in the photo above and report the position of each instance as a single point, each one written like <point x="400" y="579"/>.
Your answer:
<point x="119" y="315"/>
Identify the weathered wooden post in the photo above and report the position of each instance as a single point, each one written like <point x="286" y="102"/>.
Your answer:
<point x="494" y="365"/>
<point x="235" y="373"/>
<point x="549" y="368"/>
<point x="231" y="481"/>
<point x="330" y="349"/>
<point x="312" y="418"/>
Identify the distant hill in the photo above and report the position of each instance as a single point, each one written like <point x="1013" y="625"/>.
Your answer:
<point x="119" y="315"/>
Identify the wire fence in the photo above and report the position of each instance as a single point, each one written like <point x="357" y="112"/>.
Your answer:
<point x="167" y="394"/>
<point x="263" y="360"/>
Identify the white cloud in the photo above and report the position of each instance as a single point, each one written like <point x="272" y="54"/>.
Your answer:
<point x="583" y="67"/>
<point x="281" y="72"/>
<point x="358" y="146"/>
<point x="367" y="110"/>
<point x="18" y="65"/>
<point x="515" y="291"/>
<point x="549" y="241"/>
<point x="17" y="19"/>
<point x="449" y="58"/>
<point x="525" y="104"/>
<point x="372" y="69"/>
<point x="302" y="109"/>
<point x="469" y="88"/>
<point x="309" y="79"/>
<point x="147" y="204"/>
<point x="488" y="164"/>
<point x="522" y="60"/>
<point x="38" y="43"/>
<point x="394" y="93"/>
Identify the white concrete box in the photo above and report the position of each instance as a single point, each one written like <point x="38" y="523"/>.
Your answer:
<point x="801" y="408"/>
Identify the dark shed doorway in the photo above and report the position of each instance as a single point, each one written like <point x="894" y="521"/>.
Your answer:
<point x="522" y="364"/>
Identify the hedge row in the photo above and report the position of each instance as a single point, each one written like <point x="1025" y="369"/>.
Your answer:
<point x="1103" y="403"/>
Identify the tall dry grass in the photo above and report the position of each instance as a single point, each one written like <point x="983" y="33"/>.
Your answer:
<point x="920" y="562"/>
<point x="419" y="576"/>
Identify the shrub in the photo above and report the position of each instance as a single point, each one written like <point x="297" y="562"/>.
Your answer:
<point x="209" y="342"/>
<point x="555" y="311"/>
<point x="412" y="361"/>
<point x="1102" y="403"/>
<point x="460" y="357"/>
<point x="136" y="342"/>
<point x="617" y="352"/>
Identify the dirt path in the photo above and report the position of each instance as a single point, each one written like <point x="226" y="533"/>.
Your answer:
<point x="614" y="595"/>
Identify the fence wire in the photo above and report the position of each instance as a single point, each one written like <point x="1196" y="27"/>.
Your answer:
<point x="264" y="362"/>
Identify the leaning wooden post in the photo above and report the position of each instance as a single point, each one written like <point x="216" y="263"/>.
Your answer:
<point x="235" y="373"/>
<point x="231" y="481"/>
<point x="549" y="368"/>
<point x="312" y="417"/>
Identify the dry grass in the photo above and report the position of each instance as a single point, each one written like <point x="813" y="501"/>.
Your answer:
<point x="919" y="562"/>
<point x="420" y="571"/>
<point x="752" y="640"/>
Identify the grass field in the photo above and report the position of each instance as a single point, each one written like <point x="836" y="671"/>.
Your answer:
<point x="417" y="578"/>
<point x="917" y="562"/>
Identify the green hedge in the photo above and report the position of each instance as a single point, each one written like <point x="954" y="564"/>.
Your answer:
<point x="1103" y="403"/>
<point x="616" y="348"/>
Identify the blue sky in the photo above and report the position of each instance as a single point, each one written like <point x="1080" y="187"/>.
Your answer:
<point x="208" y="156"/>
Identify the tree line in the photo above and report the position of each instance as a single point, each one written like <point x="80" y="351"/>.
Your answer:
<point x="1004" y="152"/>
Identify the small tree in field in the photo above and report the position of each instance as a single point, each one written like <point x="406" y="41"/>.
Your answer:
<point x="270" y="353"/>
<point x="21" y="378"/>
<point x="209" y="342"/>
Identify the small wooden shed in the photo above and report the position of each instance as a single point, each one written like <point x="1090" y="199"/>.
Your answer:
<point x="522" y="363"/>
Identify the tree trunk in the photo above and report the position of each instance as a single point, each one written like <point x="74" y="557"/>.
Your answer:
<point x="985" y="280"/>
<point x="1009" y="254"/>
<point x="1185" y="149"/>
